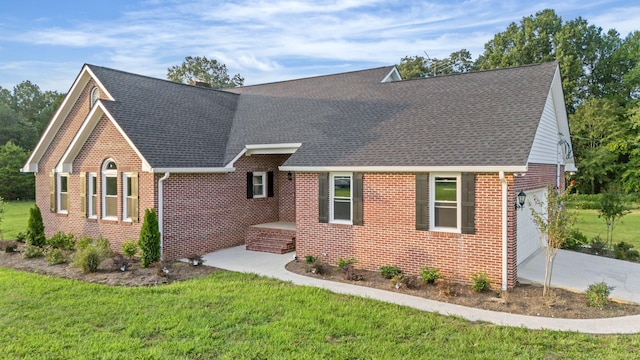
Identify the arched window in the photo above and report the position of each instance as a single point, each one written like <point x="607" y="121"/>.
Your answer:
<point x="109" y="190"/>
<point x="95" y="94"/>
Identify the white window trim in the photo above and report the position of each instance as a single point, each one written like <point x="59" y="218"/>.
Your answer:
<point x="264" y="184"/>
<point x="105" y="174"/>
<point x="432" y="202"/>
<point x="125" y="207"/>
<point x="59" y="193"/>
<point x="92" y="213"/>
<point x="332" y="189"/>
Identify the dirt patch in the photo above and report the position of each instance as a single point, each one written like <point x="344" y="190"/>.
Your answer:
<point x="107" y="274"/>
<point x="523" y="299"/>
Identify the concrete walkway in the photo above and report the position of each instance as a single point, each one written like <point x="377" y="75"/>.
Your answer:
<point x="272" y="265"/>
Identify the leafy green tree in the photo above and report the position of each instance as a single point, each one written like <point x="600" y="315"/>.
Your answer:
<point x="555" y="225"/>
<point x="14" y="184"/>
<point x="2" y="205"/>
<point x="612" y="208"/>
<point x="411" y="67"/>
<point x="35" y="228"/>
<point x="149" y="242"/>
<point x="202" y="69"/>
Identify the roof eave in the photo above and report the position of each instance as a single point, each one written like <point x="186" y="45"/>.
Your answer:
<point x="411" y="169"/>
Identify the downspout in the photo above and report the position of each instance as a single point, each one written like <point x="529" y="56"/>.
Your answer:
<point x="505" y="198"/>
<point x="160" y="211"/>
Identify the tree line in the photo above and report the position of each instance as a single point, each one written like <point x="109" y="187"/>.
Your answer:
<point x="601" y="82"/>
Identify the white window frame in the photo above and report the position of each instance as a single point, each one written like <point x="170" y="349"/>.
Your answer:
<point x="59" y="193"/>
<point x="95" y="94"/>
<point x="263" y="175"/>
<point x="108" y="173"/>
<point x="91" y="194"/>
<point x="432" y="202"/>
<point x="125" y="198"/>
<point x="332" y="198"/>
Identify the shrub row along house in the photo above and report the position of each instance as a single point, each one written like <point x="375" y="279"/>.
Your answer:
<point x="360" y="164"/>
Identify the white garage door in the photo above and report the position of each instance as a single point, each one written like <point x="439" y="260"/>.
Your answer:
<point x="528" y="235"/>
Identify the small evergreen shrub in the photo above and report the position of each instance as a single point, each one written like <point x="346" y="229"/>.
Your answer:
<point x="21" y="237"/>
<point x="429" y="274"/>
<point x="314" y="265"/>
<point x="84" y="242"/>
<point x="32" y="251"/>
<point x="346" y="266"/>
<point x="388" y="272"/>
<point x="55" y="256"/>
<point x="598" y="294"/>
<point x="597" y="245"/>
<point x="87" y="259"/>
<point x="310" y="259"/>
<point x="35" y="228"/>
<point x="130" y="248"/>
<point x="149" y="242"/>
<point x="61" y="240"/>
<point x="576" y="240"/>
<point x="480" y="282"/>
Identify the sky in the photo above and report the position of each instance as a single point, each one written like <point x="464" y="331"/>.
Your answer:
<point x="47" y="42"/>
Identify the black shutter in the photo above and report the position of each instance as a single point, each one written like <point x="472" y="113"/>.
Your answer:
<point x="422" y="201"/>
<point x="357" y="199"/>
<point x="270" y="184"/>
<point x="249" y="185"/>
<point x="323" y="197"/>
<point x="468" y="203"/>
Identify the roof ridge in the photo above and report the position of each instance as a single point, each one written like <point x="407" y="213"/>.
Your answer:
<point x="484" y="71"/>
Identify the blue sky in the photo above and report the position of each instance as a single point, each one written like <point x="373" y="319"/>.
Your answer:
<point x="47" y="41"/>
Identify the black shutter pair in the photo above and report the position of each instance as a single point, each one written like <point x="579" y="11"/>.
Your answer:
<point x="250" y="184"/>
<point x="323" y="198"/>
<point x="468" y="202"/>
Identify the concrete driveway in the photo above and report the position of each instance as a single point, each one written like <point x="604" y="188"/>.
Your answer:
<point x="576" y="271"/>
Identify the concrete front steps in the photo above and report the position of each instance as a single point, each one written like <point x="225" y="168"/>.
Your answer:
<point x="276" y="238"/>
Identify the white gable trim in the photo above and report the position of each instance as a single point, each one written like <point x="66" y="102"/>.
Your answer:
<point x="89" y="124"/>
<point x="393" y="75"/>
<point x="60" y="115"/>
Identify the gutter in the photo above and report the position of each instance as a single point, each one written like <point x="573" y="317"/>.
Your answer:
<point x="505" y="198"/>
<point x="160" y="211"/>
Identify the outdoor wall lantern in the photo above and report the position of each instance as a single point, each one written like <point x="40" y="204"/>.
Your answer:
<point x="522" y="197"/>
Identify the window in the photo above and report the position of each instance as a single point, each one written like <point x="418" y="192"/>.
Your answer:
<point x="130" y="197"/>
<point x="259" y="184"/>
<point x="445" y="204"/>
<point x="340" y="208"/>
<point x="95" y="94"/>
<point x="109" y="190"/>
<point x="93" y="195"/>
<point x="63" y="199"/>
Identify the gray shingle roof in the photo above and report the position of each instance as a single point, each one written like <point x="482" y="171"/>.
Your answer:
<point x="484" y="118"/>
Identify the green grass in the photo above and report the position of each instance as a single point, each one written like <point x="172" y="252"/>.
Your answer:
<point x="239" y="316"/>
<point x="626" y="229"/>
<point x="16" y="215"/>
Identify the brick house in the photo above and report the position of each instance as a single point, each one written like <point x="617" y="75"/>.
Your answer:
<point x="360" y="164"/>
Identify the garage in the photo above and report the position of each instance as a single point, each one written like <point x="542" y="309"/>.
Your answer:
<point x="528" y="236"/>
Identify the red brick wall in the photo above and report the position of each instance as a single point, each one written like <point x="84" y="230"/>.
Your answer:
<point x="539" y="176"/>
<point x="287" y="197"/>
<point x="388" y="236"/>
<point x="208" y="212"/>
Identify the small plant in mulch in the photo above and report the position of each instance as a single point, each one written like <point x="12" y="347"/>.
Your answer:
<point x="32" y="251"/>
<point x="130" y="248"/>
<point x="348" y="272"/>
<point x="195" y="260"/>
<point x="598" y="294"/>
<point x="61" y="240"/>
<point x="447" y="289"/>
<point x="402" y="281"/>
<point x="314" y="265"/>
<point x="55" y="256"/>
<point x="9" y="246"/>
<point x="625" y="251"/>
<point x="597" y="245"/>
<point x="389" y="271"/>
<point x="429" y="275"/>
<point x="120" y="262"/>
<point x="480" y="282"/>
<point x="21" y="237"/>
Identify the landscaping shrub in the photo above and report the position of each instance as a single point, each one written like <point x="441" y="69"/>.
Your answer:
<point x="480" y="282"/>
<point x="597" y="245"/>
<point x="32" y="251"/>
<point x="149" y="242"/>
<point x="310" y="259"/>
<point x="55" y="256"/>
<point x="388" y="272"/>
<point x="9" y="246"/>
<point x="87" y="259"/>
<point x="21" y="237"/>
<point x="625" y="251"/>
<point x="399" y="281"/>
<point x="104" y="247"/>
<point x="575" y="240"/>
<point x="314" y="265"/>
<point x="429" y="274"/>
<point x="130" y="248"/>
<point x="346" y="266"/>
<point x="35" y="228"/>
<point x="598" y="294"/>
<point x="61" y="240"/>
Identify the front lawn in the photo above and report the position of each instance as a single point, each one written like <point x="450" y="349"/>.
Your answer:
<point x="240" y="316"/>
<point x="16" y="216"/>
<point x="626" y="229"/>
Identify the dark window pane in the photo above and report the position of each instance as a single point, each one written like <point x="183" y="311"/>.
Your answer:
<point x="94" y="185"/>
<point x="111" y="186"/>
<point x="63" y="184"/>
<point x="446" y="216"/>
<point x="258" y="190"/>
<point x="342" y="186"/>
<point x="128" y="186"/>
<point x="342" y="210"/>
